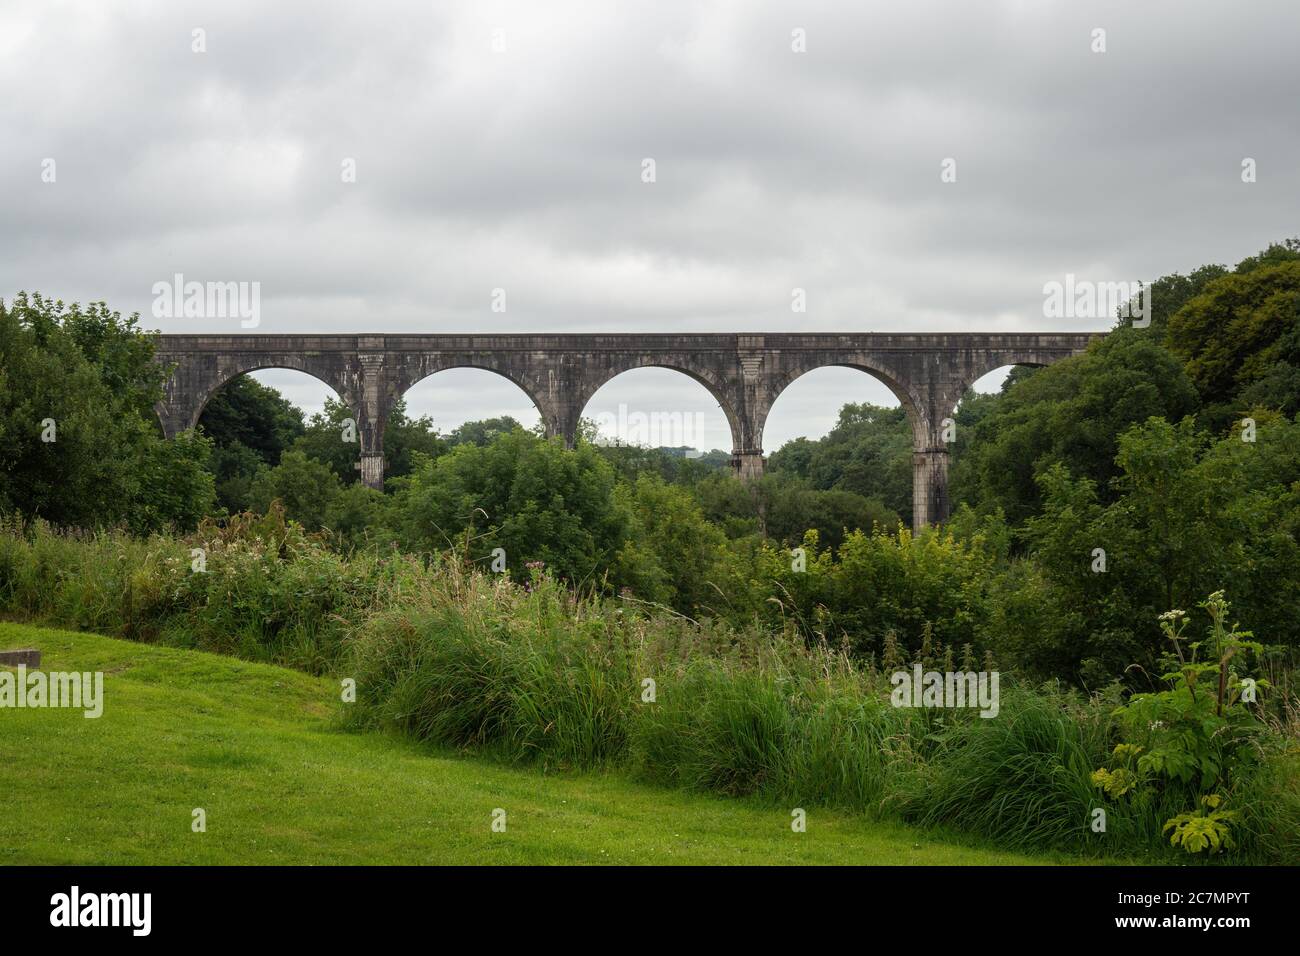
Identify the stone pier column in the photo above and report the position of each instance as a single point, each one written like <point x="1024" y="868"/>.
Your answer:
<point x="749" y="405"/>
<point x="558" y="385"/>
<point x="930" y="487"/>
<point x="747" y="463"/>
<point x="372" y="416"/>
<point x="173" y="422"/>
<point x="935" y="385"/>
<point x="372" y="469"/>
<point x="934" y="429"/>
<point x="562" y="421"/>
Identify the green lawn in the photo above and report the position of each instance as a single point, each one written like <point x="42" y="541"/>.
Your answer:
<point x="256" y="748"/>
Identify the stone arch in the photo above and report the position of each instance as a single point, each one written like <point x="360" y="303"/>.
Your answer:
<point x="409" y="369"/>
<point x="337" y="388"/>
<point x="194" y="383"/>
<point x="976" y="369"/>
<point x="981" y="371"/>
<point x="918" y="393"/>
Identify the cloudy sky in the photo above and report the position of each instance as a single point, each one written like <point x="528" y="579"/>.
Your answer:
<point x="501" y="145"/>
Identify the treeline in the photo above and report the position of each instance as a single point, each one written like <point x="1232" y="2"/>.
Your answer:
<point x="1092" y="495"/>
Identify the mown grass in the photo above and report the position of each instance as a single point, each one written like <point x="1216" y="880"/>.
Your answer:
<point x="257" y="747"/>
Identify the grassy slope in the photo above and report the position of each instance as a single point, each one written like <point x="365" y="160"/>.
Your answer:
<point x="254" y="746"/>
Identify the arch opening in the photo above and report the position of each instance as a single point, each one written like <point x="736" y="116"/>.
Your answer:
<point x="810" y="406"/>
<point x="999" y="379"/>
<point x="845" y="429"/>
<point x="467" y="403"/>
<point x="981" y="398"/>
<point x="255" y="417"/>
<point x="305" y="391"/>
<point x="300" y="388"/>
<point x="982" y="394"/>
<point x="660" y="407"/>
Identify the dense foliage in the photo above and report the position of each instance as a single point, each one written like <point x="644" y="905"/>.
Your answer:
<point x="79" y="442"/>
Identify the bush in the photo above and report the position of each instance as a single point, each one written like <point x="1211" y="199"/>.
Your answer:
<point x="530" y="497"/>
<point x="879" y="583"/>
<point x="81" y="442"/>
<point x="259" y="587"/>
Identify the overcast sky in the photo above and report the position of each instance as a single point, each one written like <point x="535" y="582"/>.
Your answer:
<point x="501" y="145"/>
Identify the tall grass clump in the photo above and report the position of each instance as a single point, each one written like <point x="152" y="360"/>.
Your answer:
<point x="1023" y="777"/>
<point x="845" y="751"/>
<point x="482" y="664"/>
<point x="793" y="724"/>
<point x="1270" y="800"/>
<point x="714" y="727"/>
<point x="101" y="580"/>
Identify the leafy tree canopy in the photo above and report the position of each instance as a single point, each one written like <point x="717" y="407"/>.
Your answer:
<point x="80" y="444"/>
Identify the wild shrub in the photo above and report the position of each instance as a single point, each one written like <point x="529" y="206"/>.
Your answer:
<point x="1195" y="742"/>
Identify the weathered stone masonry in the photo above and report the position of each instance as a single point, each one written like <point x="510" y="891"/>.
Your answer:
<point x="560" y="373"/>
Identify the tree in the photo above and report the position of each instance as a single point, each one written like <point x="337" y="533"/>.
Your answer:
<point x="175" y="481"/>
<point x="255" y="416"/>
<point x="1070" y="413"/>
<point x="304" y="486"/>
<point x="529" y="496"/>
<point x="1189" y="516"/>
<point x="868" y="453"/>
<point x="327" y="435"/>
<point x="670" y="464"/>
<point x="672" y="550"/>
<point x="250" y="426"/>
<point x="483" y="432"/>
<point x="1168" y="294"/>
<point x="728" y="502"/>
<point x="1241" y="336"/>
<point x="358" y="516"/>
<point x="79" y="442"/>
<point x="405" y="438"/>
<point x="791" y="508"/>
<point x="233" y="468"/>
<point x="1219" y="342"/>
<point x="330" y="437"/>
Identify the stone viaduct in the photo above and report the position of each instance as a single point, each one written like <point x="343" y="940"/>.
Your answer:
<point x="560" y="373"/>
